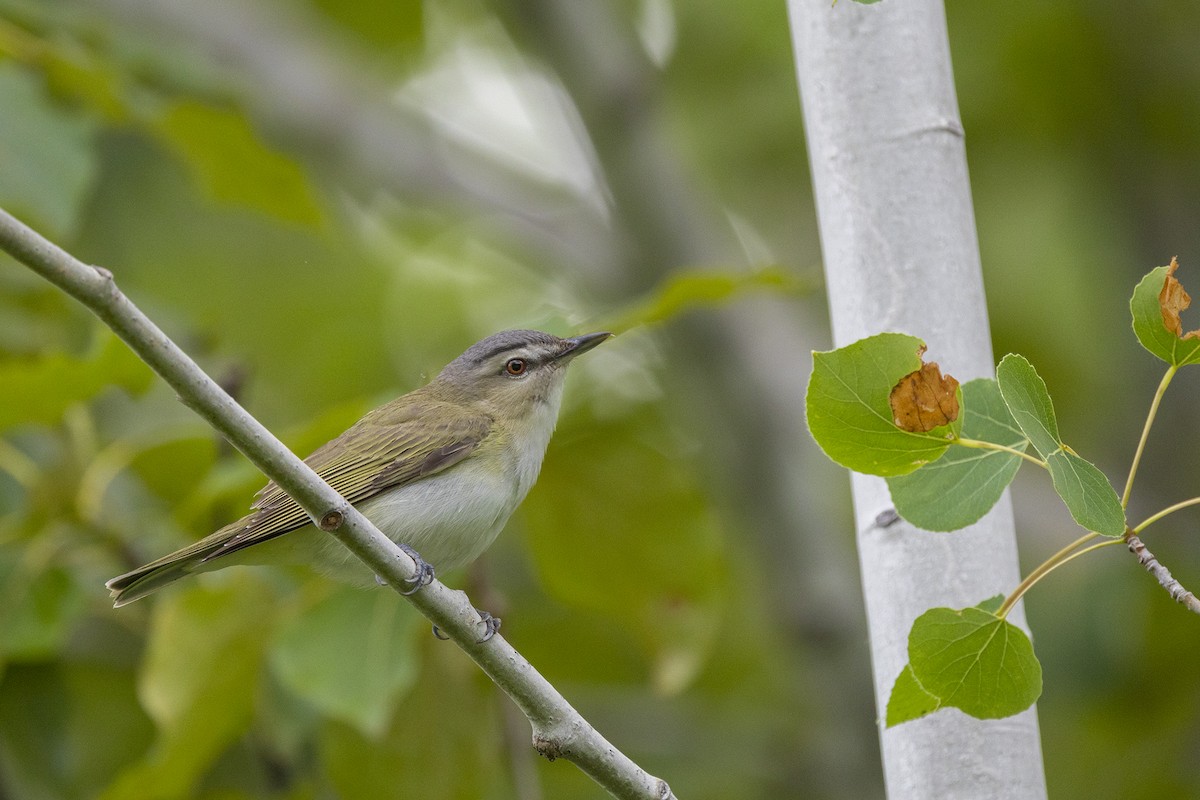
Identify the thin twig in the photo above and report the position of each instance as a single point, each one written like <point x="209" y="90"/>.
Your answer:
<point x="558" y="729"/>
<point x="1162" y="574"/>
<point x="1141" y="445"/>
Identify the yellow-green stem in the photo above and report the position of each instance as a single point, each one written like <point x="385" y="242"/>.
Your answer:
<point x="1148" y="521"/>
<point x="982" y="445"/>
<point x="1137" y="454"/>
<point x="1061" y="557"/>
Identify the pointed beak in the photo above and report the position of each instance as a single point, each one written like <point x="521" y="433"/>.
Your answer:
<point x="577" y="345"/>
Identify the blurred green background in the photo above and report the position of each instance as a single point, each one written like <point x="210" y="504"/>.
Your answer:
<point x="324" y="202"/>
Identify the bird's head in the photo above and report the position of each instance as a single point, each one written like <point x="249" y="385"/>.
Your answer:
<point x="516" y="373"/>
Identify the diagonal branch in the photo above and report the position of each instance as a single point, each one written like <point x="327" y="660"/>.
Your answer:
<point x="1162" y="574"/>
<point x="558" y="729"/>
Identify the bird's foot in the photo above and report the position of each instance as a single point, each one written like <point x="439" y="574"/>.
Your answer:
<point x="490" y="626"/>
<point x="424" y="574"/>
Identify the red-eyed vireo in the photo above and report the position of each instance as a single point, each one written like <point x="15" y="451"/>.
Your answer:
<point x="439" y="470"/>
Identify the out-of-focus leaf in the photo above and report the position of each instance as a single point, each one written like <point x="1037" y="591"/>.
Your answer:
<point x="234" y="166"/>
<point x="39" y="605"/>
<point x="963" y="485"/>
<point x="39" y="390"/>
<point x="1150" y="328"/>
<point x="441" y="744"/>
<point x="618" y="524"/>
<point x="398" y="24"/>
<point x="66" y="729"/>
<point x="198" y="683"/>
<point x="685" y="291"/>
<point x="172" y="467"/>
<point x="350" y="655"/>
<point x="46" y="158"/>
<point x="849" y="413"/>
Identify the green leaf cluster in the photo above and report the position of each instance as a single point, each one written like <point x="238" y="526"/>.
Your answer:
<point x="974" y="659"/>
<point x="951" y="476"/>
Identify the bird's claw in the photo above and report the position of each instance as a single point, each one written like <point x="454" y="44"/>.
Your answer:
<point x="490" y="626"/>
<point x="424" y="574"/>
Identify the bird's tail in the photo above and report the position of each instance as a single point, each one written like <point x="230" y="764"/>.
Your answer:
<point x="149" y="578"/>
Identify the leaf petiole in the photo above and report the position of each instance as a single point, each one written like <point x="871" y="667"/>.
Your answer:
<point x="1153" y="518"/>
<point x="1137" y="455"/>
<point x="1068" y="553"/>
<point x="983" y="445"/>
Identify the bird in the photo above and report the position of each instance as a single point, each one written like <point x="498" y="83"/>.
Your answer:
<point x="438" y="470"/>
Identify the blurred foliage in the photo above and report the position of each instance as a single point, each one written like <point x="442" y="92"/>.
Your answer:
<point x="324" y="202"/>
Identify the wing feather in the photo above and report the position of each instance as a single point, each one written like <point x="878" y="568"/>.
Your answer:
<point x="389" y="447"/>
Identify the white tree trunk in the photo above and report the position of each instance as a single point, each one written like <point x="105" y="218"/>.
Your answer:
<point x="898" y="234"/>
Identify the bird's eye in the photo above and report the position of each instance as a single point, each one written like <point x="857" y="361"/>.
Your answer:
<point x="516" y="366"/>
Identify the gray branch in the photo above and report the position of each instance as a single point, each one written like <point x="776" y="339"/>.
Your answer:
<point x="1163" y="575"/>
<point x="558" y="729"/>
<point x="898" y="234"/>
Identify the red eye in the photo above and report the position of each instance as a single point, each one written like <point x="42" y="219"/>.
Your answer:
<point x="516" y="366"/>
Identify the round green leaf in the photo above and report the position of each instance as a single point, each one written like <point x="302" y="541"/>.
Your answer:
<point x="848" y="411"/>
<point x="1148" y="323"/>
<point x="963" y="485"/>
<point x="974" y="661"/>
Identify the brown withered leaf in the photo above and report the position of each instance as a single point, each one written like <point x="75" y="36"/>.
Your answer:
<point x="924" y="399"/>
<point x="1172" y="301"/>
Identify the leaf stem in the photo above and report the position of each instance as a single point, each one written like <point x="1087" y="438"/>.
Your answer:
<point x="980" y="444"/>
<point x="1137" y="455"/>
<point x="1052" y="563"/>
<point x="1150" y="520"/>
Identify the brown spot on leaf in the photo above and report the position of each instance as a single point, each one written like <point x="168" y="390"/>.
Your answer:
<point x="1172" y="301"/>
<point x="924" y="399"/>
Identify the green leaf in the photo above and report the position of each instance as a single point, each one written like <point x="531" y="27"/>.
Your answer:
<point x="351" y="655"/>
<point x="66" y="727"/>
<point x="684" y="291"/>
<point x="992" y="604"/>
<point x="441" y="746"/>
<point x="40" y="390"/>
<point x="849" y="414"/>
<point x="963" y="485"/>
<point x="39" y="605"/>
<point x="1089" y="496"/>
<point x="1083" y="488"/>
<point x="234" y="166"/>
<point x="1149" y="327"/>
<point x="199" y="681"/>
<point x="668" y="592"/>
<point x="971" y="660"/>
<point x="909" y="700"/>
<point x="392" y="24"/>
<point x="47" y="163"/>
<point x="1028" y="401"/>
